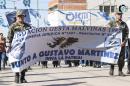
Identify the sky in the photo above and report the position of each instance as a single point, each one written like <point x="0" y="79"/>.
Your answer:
<point x="7" y="6"/>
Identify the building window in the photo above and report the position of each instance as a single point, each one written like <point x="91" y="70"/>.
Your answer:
<point x="113" y="8"/>
<point x="108" y="9"/>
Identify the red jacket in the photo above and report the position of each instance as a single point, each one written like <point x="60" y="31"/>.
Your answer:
<point x="2" y="44"/>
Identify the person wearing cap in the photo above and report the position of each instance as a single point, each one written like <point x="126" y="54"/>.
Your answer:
<point x="18" y="25"/>
<point x="123" y="26"/>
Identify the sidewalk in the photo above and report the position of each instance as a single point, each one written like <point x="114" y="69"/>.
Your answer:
<point x="74" y="76"/>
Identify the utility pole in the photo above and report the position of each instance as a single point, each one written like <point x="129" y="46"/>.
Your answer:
<point x="37" y="11"/>
<point x="103" y="6"/>
<point x="110" y="7"/>
<point x="115" y="4"/>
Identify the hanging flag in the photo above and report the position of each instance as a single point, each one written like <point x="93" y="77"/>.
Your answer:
<point x="27" y="3"/>
<point x="46" y="22"/>
<point x="11" y="17"/>
<point x="35" y="13"/>
<point x="104" y="15"/>
<point x="2" y="23"/>
<point x="2" y="4"/>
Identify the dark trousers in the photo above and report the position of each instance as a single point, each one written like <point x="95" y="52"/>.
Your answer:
<point x="69" y="63"/>
<point x="4" y="63"/>
<point x="121" y="61"/>
<point x="128" y="66"/>
<point x="20" y="76"/>
<point x="0" y="59"/>
<point x="4" y="60"/>
<point x="55" y="63"/>
<point x="44" y="63"/>
<point x="76" y="62"/>
<point x="0" y="64"/>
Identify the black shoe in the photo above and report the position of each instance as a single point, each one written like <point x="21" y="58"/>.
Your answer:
<point x="98" y="66"/>
<point x="94" y="65"/>
<point x="23" y="81"/>
<point x="29" y="68"/>
<point x="128" y="72"/>
<point x="16" y="79"/>
<point x="111" y="72"/>
<point x="121" y="73"/>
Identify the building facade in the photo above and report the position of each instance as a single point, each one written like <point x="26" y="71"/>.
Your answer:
<point x="94" y="7"/>
<point x="67" y="5"/>
<point x="109" y="6"/>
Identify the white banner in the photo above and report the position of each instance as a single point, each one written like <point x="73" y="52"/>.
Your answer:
<point x="64" y="18"/>
<point x="64" y="43"/>
<point x="80" y="18"/>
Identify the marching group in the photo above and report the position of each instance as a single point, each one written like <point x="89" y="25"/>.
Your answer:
<point x="19" y="25"/>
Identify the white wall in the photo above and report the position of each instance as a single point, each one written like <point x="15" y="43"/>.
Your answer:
<point x="94" y="4"/>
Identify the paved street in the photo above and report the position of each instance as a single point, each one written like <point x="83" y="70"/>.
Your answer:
<point x="64" y="76"/>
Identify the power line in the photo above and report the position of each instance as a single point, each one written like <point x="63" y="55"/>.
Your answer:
<point x="27" y="8"/>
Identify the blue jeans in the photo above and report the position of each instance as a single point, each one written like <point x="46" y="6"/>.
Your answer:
<point x="0" y="59"/>
<point x="128" y="59"/>
<point x="82" y="62"/>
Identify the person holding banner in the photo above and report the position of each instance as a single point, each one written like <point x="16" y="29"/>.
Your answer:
<point x="18" y="25"/>
<point x="123" y="26"/>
